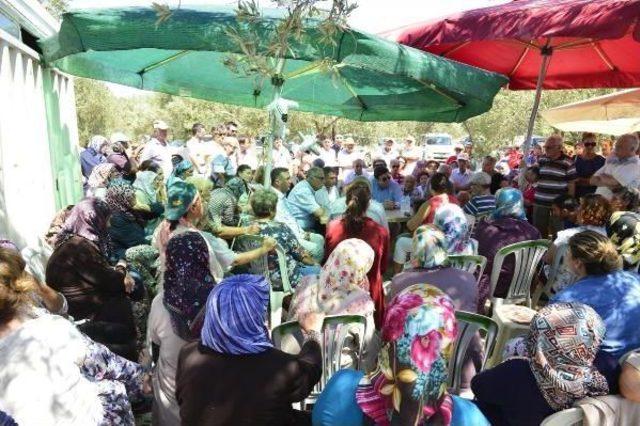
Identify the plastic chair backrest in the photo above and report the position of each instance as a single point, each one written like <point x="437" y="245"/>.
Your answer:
<point x="554" y="270"/>
<point x="468" y="325"/>
<point x="568" y="417"/>
<point x="470" y="263"/>
<point x="527" y="256"/>
<point x="335" y="331"/>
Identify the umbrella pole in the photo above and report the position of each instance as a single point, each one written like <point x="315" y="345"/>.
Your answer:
<point x="268" y="148"/>
<point x="546" y="57"/>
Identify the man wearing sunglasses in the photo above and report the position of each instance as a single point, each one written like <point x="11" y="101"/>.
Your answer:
<point x="587" y="163"/>
<point x="384" y="189"/>
<point x="622" y="169"/>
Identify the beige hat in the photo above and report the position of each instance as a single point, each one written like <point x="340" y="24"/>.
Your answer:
<point x="464" y="156"/>
<point x="160" y="125"/>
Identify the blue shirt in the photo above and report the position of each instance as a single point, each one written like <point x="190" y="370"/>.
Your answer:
<point x="302" y="203"/>
<point x="337" y="404"/>
<point x="616" y="298"/>
<point x="393" y="192"/>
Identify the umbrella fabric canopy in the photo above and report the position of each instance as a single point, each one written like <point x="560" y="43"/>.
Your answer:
<point x="362" y="77"/>
<point x="613" y="114"/>
<point x="594" y="43"/>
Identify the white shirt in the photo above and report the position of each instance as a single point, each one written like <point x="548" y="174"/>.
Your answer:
<point x="387" y="156"/>
<point x="326" y="197"/>
<point x="411" y="155"/>
<point x="460" y="179"/>
<point x="375" y="211"/>
<point x="350" y="176"/>
<point x="155" y="151"/>
<point x="281" y="157"/>
<point x="329" y="157"/>
<point x="345" y="161"/>
<point x="626" y="172"/>
<point x="161" y="333"/>
<point x="201" y="151"/>
<point x="283" y="215"/>
<point x="248" y="157"/>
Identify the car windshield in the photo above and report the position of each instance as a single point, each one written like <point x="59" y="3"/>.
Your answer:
<point x="438" y="140"/>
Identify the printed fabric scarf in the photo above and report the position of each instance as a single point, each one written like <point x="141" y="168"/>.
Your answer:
<point x="88" y="219"/>
<point x="623" y="230"/>
<point x="509" y="203"/>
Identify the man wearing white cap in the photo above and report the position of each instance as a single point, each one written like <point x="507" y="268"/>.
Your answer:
<point x="157" y="149"/>
<point x="347" y="156"/>
<point x="411" y="154"/>
<point x="388" y="151"/>
<point x="461" y="177"/>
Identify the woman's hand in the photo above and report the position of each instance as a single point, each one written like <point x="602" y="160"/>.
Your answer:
<point x="252" y="229"/>
<point x="269" y="244"/>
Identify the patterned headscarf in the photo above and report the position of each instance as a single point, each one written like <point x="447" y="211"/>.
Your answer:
<point x="88" y="219"/>
<point x="563" y="341"/>
<point x="420" y="328"/>
<point x="187" y="283"/>
<point x="145" y="183"/>
<point x="450" y="219"/>
<point x="235" y="319"/>
<point x="121" y="199"/>
<point x="97" y="142"/>
<point x="99" y="177"/>
<point x="429" y="247"/>
<point x="509" y="203"/>
<point x="624" y="231"/>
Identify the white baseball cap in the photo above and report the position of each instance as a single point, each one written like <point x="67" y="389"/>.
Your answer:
<point x="463" y="156"/>
<point x="119" y="137"/>
<point x="161" y="125"/>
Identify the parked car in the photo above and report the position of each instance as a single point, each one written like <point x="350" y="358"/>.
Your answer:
<point x="437" y="146"/>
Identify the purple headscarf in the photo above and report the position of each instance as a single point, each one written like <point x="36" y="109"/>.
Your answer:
<point x="187" y="283"/>
<point x="421" y="166"/>
<point x="88" y="219"/>
<point x="235" y="319"/>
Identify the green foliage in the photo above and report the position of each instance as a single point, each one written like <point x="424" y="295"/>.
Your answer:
<point x="56" y="7"/>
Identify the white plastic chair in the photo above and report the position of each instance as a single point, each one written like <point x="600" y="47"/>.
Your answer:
<point x="554" y="270"/>
<point x="568" y="417"/>
<point x="474" y="264"/>
<point x="469" y="324"/>
<point x="336" y="329"/>
<point x="260" y="266"/>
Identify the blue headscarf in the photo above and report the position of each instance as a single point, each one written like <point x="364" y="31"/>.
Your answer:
<point x="235" y="319"/>
<point x="509" y="203"/>
<point x="450" y="219"/>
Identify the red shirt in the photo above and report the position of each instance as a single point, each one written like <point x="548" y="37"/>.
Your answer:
<point x="434" y="203"/>
<point x="378" y="238"/>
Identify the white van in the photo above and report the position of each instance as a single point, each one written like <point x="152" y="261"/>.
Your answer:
<point x="437" y="146"/>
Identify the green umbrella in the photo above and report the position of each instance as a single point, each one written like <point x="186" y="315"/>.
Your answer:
<point x="359" y="76"/>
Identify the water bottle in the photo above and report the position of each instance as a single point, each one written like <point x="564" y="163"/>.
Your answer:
<point x="405" y="204"/>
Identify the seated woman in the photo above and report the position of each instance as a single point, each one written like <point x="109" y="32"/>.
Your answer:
<point x="375" y="211"/>
<point x="150" y="194"/>
<point x="592" y="215"/>
<point x="235" y="372"/>
<point x="299" y="261"/>
<point x="623" y="229"/>
<point x="96" y="291"/>
<point x="177" y="316"/>
<point x="508" y="225"/>
<point x="439" y="186"/>
<point x="451" y="220"/>
<point x="50" y="372"/>
<point x="99" y="180"/>
<point x="602" y="284"/>
<point x="355" y="224"/>
<point x="625" y="199"/>
<point x="181" y="171"/>
<point x="409" y="385"/>
<point x="126" y="230"/>
<point x="560" y="365"/>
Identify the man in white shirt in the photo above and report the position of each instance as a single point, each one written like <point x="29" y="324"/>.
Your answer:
<point x="157" y="149"/>
<point x="245" y="154"/>
<point x="280" y="183"/>
<point x="388" y="152"/>
<point x="281" y="155"/>
<point x="329" y="193"/>
<point x="622" y="168"/>
<point x="347" y="156"/>
<point x="199" y="149"/>
<point x="327" y="154"/>
<point x="411" y="154"/>
<point x="461" y="176"/>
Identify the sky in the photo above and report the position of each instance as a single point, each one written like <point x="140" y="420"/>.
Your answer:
<point x="373" y="16"/>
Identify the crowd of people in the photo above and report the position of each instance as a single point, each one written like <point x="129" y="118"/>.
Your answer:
<point x="149" y="304"/>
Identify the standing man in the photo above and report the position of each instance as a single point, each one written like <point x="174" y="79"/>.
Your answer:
<point x="223" y="163"/>
<point x="557" y="177"/>
<point x="245" y="154"/>
<point x="622" y="169"/>
<point x="461" y="177"/>
<point x="411" y="154"/>
<point x="281" y="155"/>
<point x="327" y="154"/>
<point x="199" y="150"/>
<point x="302" y="200"/>
<point x="388" y="152"/>
<point x="347" y="156"/>
<point x="385" y="190"/>
<point x="587" y="163"/>
<point x="157" y="149"/>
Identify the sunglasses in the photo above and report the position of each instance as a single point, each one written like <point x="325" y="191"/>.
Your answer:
<point x="589" y="144"/>
<point x="384" y="178"/>
<point x="397" y="166"/>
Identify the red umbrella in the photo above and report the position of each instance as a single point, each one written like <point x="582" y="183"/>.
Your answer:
<point x="551" y="44"/>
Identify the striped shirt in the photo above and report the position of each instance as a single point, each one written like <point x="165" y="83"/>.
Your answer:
<point x="480" y="205"/>
<point x="555" y="176"/>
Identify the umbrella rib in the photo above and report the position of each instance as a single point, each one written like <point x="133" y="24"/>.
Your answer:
<point x="455" y="48"/>
<point x="163" y="62"/>
<point x="520" y="60"/>
<point x="603" y="56"/>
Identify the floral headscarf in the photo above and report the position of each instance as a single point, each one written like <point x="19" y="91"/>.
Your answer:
<point x="145" y="183"/>
<point x="429" y="248"/>
<point x="121" y="198"/>
<point x="97" y="142"/>
<point x="509" y="203"/>
<point x="342" y="287"/>
<point x="563" y="341"/>
<point x="419" y="330"/>
<point x="235" y="317"/>
<point x="99" y="177"/>
<point x="88" y="219"/>
<point x="450" y="219"/>
<point x="623" y="230"/>
<point x="187" y="283"/>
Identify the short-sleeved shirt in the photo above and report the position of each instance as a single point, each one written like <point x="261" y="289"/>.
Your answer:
<point x="281" y="157"/>
<point x="326" y="197"/>
<point x="586" y="169"/>
<point x="393" y="192"/>
<point x="160" y="154"/>
<point x="302" y="204"/>
<point x="480" y="205"/>
<point x="329" y="157"/>
<point x="626" y="172"/>
<point x="222" y="208"/>
<point x="460" y="179"/>
<point x="554" y="179"/>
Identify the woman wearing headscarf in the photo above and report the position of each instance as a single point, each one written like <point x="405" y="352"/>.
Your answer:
<point x="560" y="366"/>
<point x="126" y="230"/>
<point x="93" y="154"/>
<point x="96" y="291"/>
<point x="409" y="385"/>
<point x="99" y="180"/>
<point x="235" y="372"/>
<point x="623" y="230"/>
<point x="602" y="284"/>
<point x="452" y="221"/>
<point x="181" y="171"/>
<point x="177" y="315"/>
<point x="50" y="372"/>
<point x="150" y="197"/>
<point x="507" y="225"/>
